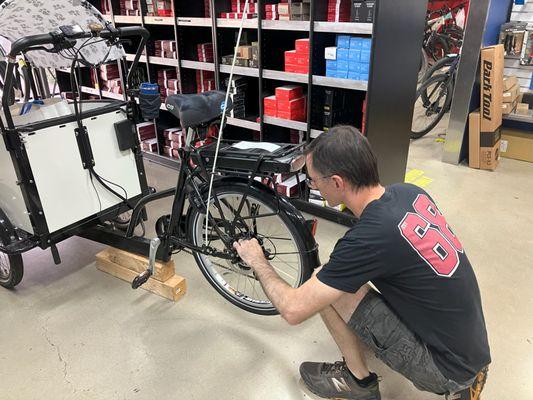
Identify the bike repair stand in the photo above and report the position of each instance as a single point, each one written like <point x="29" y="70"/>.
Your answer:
<point x="159" y="278"/>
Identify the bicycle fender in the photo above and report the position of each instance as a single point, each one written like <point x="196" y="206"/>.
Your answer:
<point x="285" y="206"/>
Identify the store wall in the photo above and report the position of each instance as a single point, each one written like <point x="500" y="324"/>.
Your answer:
<point x="498" y="14"/>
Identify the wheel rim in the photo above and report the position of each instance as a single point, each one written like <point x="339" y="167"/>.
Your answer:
<point x="5" y="267"/>
<point x="237" y="280"/>
<point x="428" y="108"/>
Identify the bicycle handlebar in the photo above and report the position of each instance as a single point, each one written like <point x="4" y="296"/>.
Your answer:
<point x="26" y="43"/>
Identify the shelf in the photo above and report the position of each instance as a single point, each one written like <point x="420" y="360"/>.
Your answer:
<point x="197" y="65"/>
<point x="169" y="21"/>
<point x="520" y="117"/>
<point x="340" y="83"/>
<point x="126" y="19"/>
<point x="344" y="27"/>
<point x="251" y="23"/>
<point x="96" y="92"/>
<point x="131" y="57"/>
<point x="315" y="133"/>
<point x="287" y="25"/>
<point x="171" y="62"/>
<point x="245" y="71"/>
<point x="161" y="160"/>
<point x="192" y="21"/>
<point x="285" y="76"/>
<point x="286" y="123"/>
<point x="254" y="126"/>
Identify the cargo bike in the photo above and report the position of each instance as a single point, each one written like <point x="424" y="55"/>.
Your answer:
<point x="80" y="173"/>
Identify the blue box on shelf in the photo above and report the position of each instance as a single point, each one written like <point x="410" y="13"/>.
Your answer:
<point x="356" y="43"/>
<point x="343" y="54"/>
<point x="354" y="67"/>
<point x="353" y="76"/>
<point x="331" y="64"/>
<point x="343" y="42"/>
<point x="363" y="77"/>
<point x="354" y="55"/>
<point x="342" y="74"/>
<point x="364" y="68"/>
<point x="365" y="56"/>
<point x="331" y="73"/>
<point x="343" y="65"/>
<point x="367" y="44"/>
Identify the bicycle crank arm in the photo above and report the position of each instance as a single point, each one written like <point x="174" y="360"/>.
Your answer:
<point x="143" y="277"/>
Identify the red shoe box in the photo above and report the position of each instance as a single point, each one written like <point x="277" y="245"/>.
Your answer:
<point x="173" y="84"/>
<point x="294" y="115"/>
<point x="150" y="145"/>
<point x="174" y="135"/>
<point x="289" y="92"/>
<point x="291" y="105"/>
<point x="270" y="102"/>
<point x="271" y="106"/>
<point x="146" y="131"/>
<point x="302" y="46"/>
<point x="291" y="57"/>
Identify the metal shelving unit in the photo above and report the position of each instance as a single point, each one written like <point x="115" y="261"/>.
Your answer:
<point x="397" y="36"/>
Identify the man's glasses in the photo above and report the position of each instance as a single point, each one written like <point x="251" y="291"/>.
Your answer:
<point x="312" y="182"/>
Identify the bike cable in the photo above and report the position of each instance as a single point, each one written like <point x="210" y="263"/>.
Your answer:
<point x="223" y="120"/>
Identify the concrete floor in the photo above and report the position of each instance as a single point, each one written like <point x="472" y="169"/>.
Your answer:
<point x="73" y="332"/>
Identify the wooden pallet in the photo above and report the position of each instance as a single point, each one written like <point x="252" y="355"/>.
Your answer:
<point x="127" y="266"/>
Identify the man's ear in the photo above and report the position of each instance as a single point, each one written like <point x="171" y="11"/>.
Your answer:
<point x="339" y="182"/>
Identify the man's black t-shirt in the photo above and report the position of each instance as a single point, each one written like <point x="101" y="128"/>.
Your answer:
<point x="403" y="244"/>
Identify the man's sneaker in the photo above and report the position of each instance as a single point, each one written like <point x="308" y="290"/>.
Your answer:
<point x="335" y="381"/>
<point x="474" y="391"/>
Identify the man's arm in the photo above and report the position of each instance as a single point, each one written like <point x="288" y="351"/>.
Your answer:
<point x="294" y="304"/>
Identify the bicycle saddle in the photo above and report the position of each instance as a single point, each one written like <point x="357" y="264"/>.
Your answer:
<point x="194" y="110"/>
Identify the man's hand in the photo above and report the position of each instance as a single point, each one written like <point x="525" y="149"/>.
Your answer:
<point x="250" y="252"/>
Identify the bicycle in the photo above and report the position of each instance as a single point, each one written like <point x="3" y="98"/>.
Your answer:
<point x="434" y="96"/>
<point x="242" y="208"/>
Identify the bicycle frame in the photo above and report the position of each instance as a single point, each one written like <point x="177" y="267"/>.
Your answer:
<point x="187" y="187"/>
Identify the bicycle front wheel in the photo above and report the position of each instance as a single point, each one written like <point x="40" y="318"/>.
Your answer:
<point x="279" y="234"/>
<point x="433" y="100"/>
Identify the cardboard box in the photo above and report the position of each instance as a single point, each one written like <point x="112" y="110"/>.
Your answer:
<point x="509" y="82"/>
<point x="474" y="124"/>
<point x="522" y="108"/>
<point x="517" y="145"/>
<point x="511" y="95"/>
<point x="245" y="52"/>
<point x="489" y="157"/>
<point x="491" y="87"/>
<point x="508" y="108"/>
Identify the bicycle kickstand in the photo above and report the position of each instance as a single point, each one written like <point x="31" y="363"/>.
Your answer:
<point x="143" y="277"/>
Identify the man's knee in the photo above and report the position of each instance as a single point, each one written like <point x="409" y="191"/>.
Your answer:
<point x="348" y="302"/>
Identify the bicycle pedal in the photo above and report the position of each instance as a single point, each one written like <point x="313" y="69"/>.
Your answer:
<point x="141" y="279"/>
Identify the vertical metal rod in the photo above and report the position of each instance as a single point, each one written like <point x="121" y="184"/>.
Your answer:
<point x="260" y="66"/>
<point x="310" y="75"/>
<point x="214" y="34"/>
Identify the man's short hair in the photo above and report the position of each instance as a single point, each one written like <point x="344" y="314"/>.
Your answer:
<point x="344" y="151"/>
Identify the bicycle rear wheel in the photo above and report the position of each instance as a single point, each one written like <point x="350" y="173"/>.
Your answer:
<point x="433" y="100"/>
<point x="281" y="238"/>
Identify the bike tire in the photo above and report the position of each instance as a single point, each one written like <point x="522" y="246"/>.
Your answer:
<point x="437" y="52"/>
<point x="438" y="66"/>
<point x="421" y="93"/>
<point x="11" y="270"/>
<point x="424" y="65"/>
<point x="221" y="281"/>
